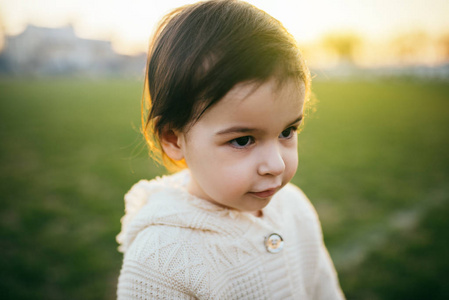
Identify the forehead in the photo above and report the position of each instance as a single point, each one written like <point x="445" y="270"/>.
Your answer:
<point x="290" y="90"/>
<point x="265" y="105"/>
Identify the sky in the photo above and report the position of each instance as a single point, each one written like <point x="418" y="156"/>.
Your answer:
<point x="129" y="23"/>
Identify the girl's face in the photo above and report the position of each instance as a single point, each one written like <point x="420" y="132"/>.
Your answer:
<point x="244" y="148"/>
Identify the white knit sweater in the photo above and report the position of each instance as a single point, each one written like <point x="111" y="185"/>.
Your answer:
<point x="178" y="246"/>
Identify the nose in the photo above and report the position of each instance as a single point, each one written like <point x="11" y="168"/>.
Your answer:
<point x="271" y="161"/>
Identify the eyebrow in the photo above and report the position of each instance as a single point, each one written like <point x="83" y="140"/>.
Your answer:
<point x="240" y="129"/>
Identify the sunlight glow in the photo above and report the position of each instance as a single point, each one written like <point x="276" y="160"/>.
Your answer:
<point x="128" y="24"/>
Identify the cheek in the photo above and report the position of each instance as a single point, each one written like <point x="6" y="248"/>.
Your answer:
<point x="217" y="168"/>
<point x="291" y="163"/>
<point x="234" y="174"/>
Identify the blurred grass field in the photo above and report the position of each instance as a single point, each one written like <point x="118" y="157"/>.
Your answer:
<point x="373" y="160"/>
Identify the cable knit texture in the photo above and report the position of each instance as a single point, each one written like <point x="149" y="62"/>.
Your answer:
<point x="177" y="246"/>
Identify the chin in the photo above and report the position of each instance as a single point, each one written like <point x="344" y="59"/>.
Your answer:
<point x="261" y="205"/>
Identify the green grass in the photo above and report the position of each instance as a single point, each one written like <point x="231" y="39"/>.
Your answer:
<point x="373" y="160"/>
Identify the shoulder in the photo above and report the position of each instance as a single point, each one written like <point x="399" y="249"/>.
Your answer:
<point x="155" y="193"/>
<point x="196" y="262"/>
<point x="175" y="248"/>
<point x="167" y="254"/>
<point x="164" y="239"/>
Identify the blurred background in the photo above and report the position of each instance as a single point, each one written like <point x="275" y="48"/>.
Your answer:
<point x="373" y="151"/>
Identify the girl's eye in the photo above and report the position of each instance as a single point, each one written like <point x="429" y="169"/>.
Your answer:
<point x="287" y="133"/>
<point x="242" y="142"/>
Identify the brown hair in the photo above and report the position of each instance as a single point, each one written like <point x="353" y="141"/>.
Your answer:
<point x="199" y="52"/>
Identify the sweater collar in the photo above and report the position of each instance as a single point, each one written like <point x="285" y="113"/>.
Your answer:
<point x="166" y="201"/>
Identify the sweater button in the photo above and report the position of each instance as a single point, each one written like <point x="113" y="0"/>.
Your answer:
<point x="274" y="243"/>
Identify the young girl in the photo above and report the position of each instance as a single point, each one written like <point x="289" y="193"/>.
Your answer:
<point x="224" y="96"/>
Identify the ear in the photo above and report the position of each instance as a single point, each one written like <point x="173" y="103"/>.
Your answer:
<point x="170" y="142"/>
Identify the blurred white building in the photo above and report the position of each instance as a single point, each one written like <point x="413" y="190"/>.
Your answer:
<point x="59" y="51"/>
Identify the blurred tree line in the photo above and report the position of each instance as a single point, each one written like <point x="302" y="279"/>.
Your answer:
<point x="414" y="47"/>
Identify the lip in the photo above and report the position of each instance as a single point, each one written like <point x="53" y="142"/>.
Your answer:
<point x="266" y="193"/>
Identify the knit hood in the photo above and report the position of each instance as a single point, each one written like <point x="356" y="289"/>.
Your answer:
<point x="165" y="201"/>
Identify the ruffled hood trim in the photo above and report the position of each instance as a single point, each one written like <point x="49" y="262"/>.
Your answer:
<point x="165" y="201"/>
